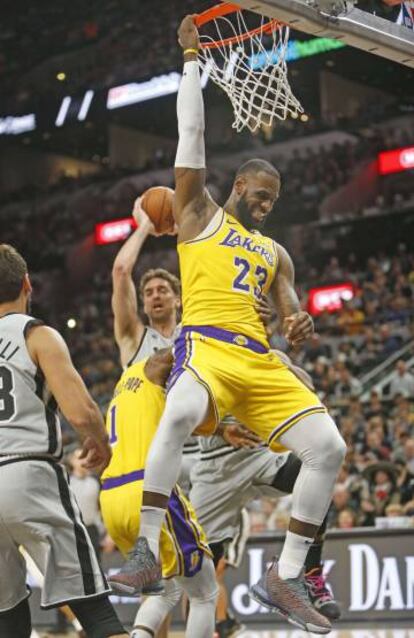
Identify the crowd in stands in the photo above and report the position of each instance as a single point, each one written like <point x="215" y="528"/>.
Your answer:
<point x="377" y="478"/>
<point x="69" y="209"/>
<point x="80" y="37"/>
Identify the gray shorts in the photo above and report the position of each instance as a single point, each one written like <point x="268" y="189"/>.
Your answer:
<point x="224" y="481"/>
<point x="38" y="511"/>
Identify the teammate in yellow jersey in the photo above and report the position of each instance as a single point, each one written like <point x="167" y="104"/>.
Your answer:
<point x="222" y="359"/>
<point x="186" y="560"/>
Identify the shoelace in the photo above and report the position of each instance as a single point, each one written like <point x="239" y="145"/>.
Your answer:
<point x="317" y="584"/>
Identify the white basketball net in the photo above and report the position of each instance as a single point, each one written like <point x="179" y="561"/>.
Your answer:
<point x="251" y="73"/>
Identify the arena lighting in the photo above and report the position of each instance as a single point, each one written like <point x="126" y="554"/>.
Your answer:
<point x="117" y="230"/>
<point x="158" y="86"/>
<point x="61" y="76"/>
<point x="401" y="159"/>
<point x="15" y="125"/>
<point x="71" y="323"/>
<point x="298" y="49"/>
<point x="329" y="297"/>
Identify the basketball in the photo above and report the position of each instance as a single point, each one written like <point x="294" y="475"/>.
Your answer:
<point x="157" y="202"/>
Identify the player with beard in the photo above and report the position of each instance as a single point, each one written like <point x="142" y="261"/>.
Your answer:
<point x="223" y="364"/>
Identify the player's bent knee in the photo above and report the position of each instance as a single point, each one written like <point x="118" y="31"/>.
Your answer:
<point x="16" y="623"/>
<point x="335" y="452"/>
<point x="97" y="617"/>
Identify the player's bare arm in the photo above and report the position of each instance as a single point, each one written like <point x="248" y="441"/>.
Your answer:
<point x="49" y="351"/>
<point x="194" y="207"/>
<point x="296" y="324"/>
<point x="128" y="327"/>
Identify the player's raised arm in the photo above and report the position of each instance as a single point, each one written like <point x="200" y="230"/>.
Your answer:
<point x="192" y="203"/>
<point x="296" y="325"/>
<point x="128" y="327"/>
<point x="49" y="351"/>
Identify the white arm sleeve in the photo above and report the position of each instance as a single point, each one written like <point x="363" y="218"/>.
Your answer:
<point x="190" y="115"/>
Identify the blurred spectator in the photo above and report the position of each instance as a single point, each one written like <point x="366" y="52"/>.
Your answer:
<point x="346" y="519"/>
<point x="402" y="381"/>
<point x="350" y="319"/>
<point x="380" y="490"/>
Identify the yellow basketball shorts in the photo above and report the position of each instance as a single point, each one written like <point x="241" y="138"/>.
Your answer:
<point x="244" y="379"/>
<point x="182" y="542"/>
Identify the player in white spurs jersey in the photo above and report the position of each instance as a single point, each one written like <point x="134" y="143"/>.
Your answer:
<point x="37" y="508"/>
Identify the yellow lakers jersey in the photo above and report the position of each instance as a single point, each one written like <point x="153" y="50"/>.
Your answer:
<point x="223" y="273"/>
<point x="132" y="419"/>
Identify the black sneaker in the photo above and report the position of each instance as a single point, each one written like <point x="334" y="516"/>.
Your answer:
<point x="140" y="574"/>
<point x="320" y="595"/>
<point x="228" y="628"/>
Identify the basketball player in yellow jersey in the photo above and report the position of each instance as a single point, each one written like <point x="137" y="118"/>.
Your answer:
<point x="222" y="360"/>
<point x="186" y="560"/>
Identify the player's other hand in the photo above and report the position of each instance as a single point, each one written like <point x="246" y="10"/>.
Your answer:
<point x="141" y="217"/>
<point x="238" y="436"/>
<point x="298" y="327"/>
<point x="95" y="454"/>
<point x="188" y="37"/>
<point x="264" y="310"/>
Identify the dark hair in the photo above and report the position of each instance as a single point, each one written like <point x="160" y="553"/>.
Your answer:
<point x="258" y="166"/>
<point x="173" y="281"/>
<point x="13" y="268"/>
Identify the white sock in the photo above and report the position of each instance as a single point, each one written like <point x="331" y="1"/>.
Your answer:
<point x="293" y="556"/>
<point x="152" y="519"/>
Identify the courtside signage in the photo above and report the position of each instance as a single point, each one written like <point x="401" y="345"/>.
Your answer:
<point x="401" y="159"/>
<point x="118" y="230"/>
<point x="329" y="297"/>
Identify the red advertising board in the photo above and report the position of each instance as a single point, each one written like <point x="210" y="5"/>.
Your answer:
<point x="109" y="232"/>
<point x="396" y="161"/>
<point x="329" y="297"/>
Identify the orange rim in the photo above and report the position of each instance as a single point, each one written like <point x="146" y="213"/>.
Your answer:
<point x="224" y="9"/>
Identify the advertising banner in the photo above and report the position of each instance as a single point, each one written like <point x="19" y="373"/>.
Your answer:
<point x="371" y="573"/>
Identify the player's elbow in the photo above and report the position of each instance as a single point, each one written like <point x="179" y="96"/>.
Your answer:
<point x="121" y="270"/>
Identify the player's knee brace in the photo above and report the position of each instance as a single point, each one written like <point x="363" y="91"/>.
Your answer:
<point x="217" y="549"/>
<point x="285" y="478"/>
<point x="97" y="617"/>
<point x="172" y="595"/>
<point x="16" y="623"/>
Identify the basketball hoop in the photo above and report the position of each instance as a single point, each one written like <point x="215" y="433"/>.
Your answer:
<point x="245" y="55"/>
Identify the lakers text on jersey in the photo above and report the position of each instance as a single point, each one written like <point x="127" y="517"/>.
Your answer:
<point x="132" y="420"/>
<point x="223" y="342"/>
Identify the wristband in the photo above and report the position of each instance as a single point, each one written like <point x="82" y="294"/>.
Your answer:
<point x="190" y="51"/>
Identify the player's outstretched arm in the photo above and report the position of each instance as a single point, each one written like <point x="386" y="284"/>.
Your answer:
<point x="49" y="351"/>
<point x="193" y="208"/>
<point x="297" y="325"/>
<point x="128" y="327"/>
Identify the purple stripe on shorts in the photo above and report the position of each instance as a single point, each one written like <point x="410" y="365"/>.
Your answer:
<point x="180" y="356"/>
<point x="123" y="479"/>
<point x="227" y="336"/>
<point x="186" y="536"/>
